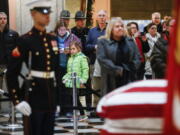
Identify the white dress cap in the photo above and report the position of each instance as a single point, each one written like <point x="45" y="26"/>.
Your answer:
<point x="43" y="6"/>
<point x="39" y="3"/>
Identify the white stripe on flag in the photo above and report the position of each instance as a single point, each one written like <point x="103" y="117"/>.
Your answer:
<point x="138" y="84"/>
<point x="138" y="125"/>
<point x="137" y="98"/>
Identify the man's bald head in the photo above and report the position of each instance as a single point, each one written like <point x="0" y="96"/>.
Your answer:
<point x="156" y="18"/>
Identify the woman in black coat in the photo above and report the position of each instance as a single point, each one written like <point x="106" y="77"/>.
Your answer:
<point x="159" y="53"/>
<point x="118" y="56"/>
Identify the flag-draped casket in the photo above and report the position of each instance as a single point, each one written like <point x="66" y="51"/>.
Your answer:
<point x="134" y="109"/>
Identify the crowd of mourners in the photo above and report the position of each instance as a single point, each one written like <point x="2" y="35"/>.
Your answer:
<point x="104" y="57"/>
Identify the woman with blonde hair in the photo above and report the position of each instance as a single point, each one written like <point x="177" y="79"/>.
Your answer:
<point x="118" y="56"/>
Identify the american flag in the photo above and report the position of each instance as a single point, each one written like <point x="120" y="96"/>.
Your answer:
<point x="172" y="112"/>
<point x="134" y="109"/>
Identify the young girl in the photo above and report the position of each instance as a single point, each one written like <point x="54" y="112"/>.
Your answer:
<point x="64" y="38"/>
<point x="78" y="63"/>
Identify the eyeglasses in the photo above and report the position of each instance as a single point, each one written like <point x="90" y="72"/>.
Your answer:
<point x="133" y="28"/>
<point x="101" y="15"/>
<point x="3" y="18"/>
<point x="153" y="28"/>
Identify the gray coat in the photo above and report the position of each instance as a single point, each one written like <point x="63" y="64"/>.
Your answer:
<point x="106" y="55"/>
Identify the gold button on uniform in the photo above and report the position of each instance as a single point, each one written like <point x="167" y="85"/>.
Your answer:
<point x="37" y="53"/>
<point x="15" y="96"/>
<point x="44" y="39"/>
<point x="14" y="91"/>
<point x="17" y="101"/>
<point x="48" y="56"/>
<point x="48" y="62"/>
<point x="46" y="44"/>
<point x="48" y="68"/>
<point x="33" y="84"/>
<point x="47" y="50"/>
<point x="40" y="33"/>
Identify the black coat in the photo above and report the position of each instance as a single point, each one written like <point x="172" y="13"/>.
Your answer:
<point x="81" y="33"/>
<point x="44" y="58"/>
<point x="107" y="57"/>
<point x="8" y="40"/>
<point x="158" y="58"/>
<point x="159" y="28"/>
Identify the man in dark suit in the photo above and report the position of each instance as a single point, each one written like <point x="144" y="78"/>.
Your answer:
<point x="8" y="39"/>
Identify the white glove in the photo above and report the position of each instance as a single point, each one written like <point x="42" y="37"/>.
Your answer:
<point x="24" y="108"/>
<point x="58" y="109"/>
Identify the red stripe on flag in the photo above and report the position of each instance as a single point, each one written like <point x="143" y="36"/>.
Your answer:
<point x="132" y="111"/>
<point x="138" y="89"/>
<point x="147" y="89"/>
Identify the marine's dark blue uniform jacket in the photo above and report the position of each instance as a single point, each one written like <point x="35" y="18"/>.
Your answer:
<point x="44" y="58"/>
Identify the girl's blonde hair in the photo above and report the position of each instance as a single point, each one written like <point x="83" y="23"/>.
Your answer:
<point x="110" y="26"/>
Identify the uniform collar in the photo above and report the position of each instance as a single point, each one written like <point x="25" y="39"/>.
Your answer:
<point x="35" y="30"/>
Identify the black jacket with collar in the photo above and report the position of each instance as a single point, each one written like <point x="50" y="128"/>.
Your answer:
<point x="158" y="58"/>
<point x="8" y="40"/>
<point x="107" y="57"/>
<point x="44" y="57"/>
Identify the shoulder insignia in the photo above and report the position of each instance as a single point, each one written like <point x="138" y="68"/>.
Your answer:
<point x="54" y="45"/>
<point x="15" y="52"/>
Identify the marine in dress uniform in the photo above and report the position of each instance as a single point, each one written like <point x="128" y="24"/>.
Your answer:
<point x="39" y="49"/>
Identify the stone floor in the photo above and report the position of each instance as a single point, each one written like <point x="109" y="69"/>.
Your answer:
<point x="63" y="126"/>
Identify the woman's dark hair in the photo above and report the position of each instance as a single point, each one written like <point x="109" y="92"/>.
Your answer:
<point x="59" y="24"/>
<point x="77" y="44"/>
<point x="129" y="24"/>
<point x="150" y="25"/>
<point x="129" y="27"/>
